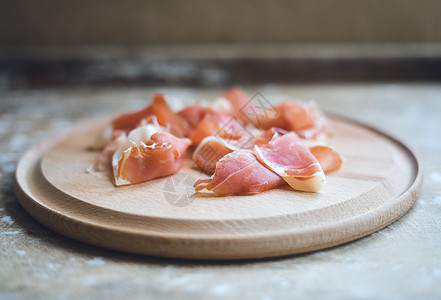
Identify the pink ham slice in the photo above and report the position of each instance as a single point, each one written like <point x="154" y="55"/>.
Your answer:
<point x="277" y="153"/>
<point x="148" y="154"/>
<point x="208" y="126"/>
<point x="145" y="162"/>
<point x="210" y="151"/>
<point x="241" y="104"/>
<point x="219" y="124"/>
<point x="329" y="159"/>
<point x="303" y="118"/>
<point x="160" y="109"/>
<point x="213" y="148"/>
<point x="288" y="157"/>
<point x="239" y="173"/>
<point x="193" y="114"/>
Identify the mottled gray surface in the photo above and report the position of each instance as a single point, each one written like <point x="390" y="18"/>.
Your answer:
<point x="403" y="261"/>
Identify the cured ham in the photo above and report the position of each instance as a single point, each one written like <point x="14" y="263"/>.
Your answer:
<point x="148" y="154"/>
<point x="239" y="173"/>
<point x="225" y="118"/>
<point x="193" y="114"/>
<point x="210" y="151"/>
<point x="302" y="118"/>
<point x="213" y="148"/>
<point x="221" y="125"/>
<point x="208" y="126"/>
<point x="329" y="159"/>
<point x="288" y="157"/>
<point x="245" y="148"/>
<point x="283" y="159"/>
<point x="242" y="105"/>
<point x="160" y="109"/>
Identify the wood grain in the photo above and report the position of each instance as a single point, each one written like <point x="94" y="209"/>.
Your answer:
<point x="377" y="184"/>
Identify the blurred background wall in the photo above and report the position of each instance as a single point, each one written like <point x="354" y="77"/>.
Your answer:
<point x="131" y="22"/>
<point x="172" y="41"/>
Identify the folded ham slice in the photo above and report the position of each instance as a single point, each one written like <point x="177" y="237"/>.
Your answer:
<point x="213" y="148"/>
<point x="194" y="114"/>
<point x="282" y="159"/>
<point x="303" y="118"/>
<point x="329" y="159"/>
<point x="241" y="104"/>
<point x="239" y="173"/>
<point x="210" y="151"/>
<point x="147" y="154"/>
<point x="288" y="157"/>
<point x="160" y="109"/>
<point x="221" y="125"/>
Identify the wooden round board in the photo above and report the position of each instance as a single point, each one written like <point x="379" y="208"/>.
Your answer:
<point x="377" y="183"/>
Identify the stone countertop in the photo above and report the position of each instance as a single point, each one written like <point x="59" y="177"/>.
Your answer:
<point x="402" y="261"/>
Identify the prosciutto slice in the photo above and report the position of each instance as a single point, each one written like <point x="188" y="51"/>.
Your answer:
<point x="148" y="154"/>
<point x="221" y="125"/>
<point x="288" y="157"/>
<point x="210" y="151"/>
<point x="239" y="173"/>
<point x="279" y="158"/>
<point x="194" y="114"/>
<point x="160" y="109"/>
<point x="213" y="148"/>
<point x="303" y="118"/>
<point x="329" y="159"/>
<point x="241" y="104"/>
